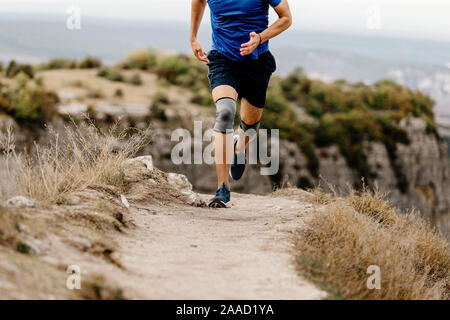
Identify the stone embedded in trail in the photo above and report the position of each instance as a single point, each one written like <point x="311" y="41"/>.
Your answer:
<point x="182" y="183"/>
<point x="21" y="202"/>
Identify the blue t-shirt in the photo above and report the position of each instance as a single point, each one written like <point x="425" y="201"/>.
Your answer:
<point x="233" y="20"/>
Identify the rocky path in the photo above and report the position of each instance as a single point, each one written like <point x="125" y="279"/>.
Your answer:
<point x="184" y="252"/>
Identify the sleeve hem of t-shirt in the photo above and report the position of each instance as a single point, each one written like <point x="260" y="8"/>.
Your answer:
<point x="275" y="3"/>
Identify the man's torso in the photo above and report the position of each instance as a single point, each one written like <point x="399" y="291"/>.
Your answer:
<point x="233" y="20"/>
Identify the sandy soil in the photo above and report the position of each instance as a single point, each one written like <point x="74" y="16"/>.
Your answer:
<point x="183" y="252"/>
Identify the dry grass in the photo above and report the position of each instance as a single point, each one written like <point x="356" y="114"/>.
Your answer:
<point x="347" y="235"/>
<point x="83" y="156"/>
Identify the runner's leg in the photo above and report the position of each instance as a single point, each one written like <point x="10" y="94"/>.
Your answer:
<point x="250" y="115"/>
<point x="223" y="143"/>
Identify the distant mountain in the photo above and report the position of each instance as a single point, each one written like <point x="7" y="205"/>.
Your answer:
<point x="418" y="64"/>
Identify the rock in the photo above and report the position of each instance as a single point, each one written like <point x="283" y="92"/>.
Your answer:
<point x="147" y="160"/>
<point x="193" y="199"/>
<point x="124" y="201"/>
<point x="333" y="170"/>
<point x="180" y="181"/>
<point x="21" y="202"/>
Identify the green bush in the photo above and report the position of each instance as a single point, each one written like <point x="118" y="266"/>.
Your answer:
<point x="15" y="68"/>
<point x="90" y="63"/>
<point x="103" y="72"/>
<point x="172" y="67"/>
<point x="29" y="106"/>
<point x="202" y="97"/>
<point x="118" y="93"/>
<point x="59" y="63"/>
<point x="140" y="59"/>
<point x="157" y="112"/>
<point x="159" y="98"/>
<point x="347" y="116"/>
<point x="110" y="74"/>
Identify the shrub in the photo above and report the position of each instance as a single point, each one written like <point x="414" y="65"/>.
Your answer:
<point x="111" y="74"/>
<point x="29" y="106"/>
<point x="136" y="79"/>
<point x="160" y="97"/>
<point x="14" y="69"/>
<point x="158" y="113"/>
<point x="349" y="115"/>
<point x="90" y="63"/>
<point x="59" y="63"/>
<point x="39" y="81"/>
<point x="118" y="93"/>
<point x="183" y="71"/>
<point x="172" y="67"/>
<point x="202" y="97"/>
<point x="140" y="59"/>
<point x="343" y="239"/>
<point x="34" y="106"/>
<point x="82" y="156"/>
<point x="103" y="72"/>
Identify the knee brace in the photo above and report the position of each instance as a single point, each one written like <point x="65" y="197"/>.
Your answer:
<point x="225" y="113"/>
<point x="249" y="130"/>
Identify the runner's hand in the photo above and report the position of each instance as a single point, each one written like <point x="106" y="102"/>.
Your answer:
<point x="198" y="51"/>
<point x="249" y="47"/>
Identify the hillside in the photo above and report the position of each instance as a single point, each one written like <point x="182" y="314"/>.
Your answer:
<point x="146" y="235"/>
<point x="331" y="133"/>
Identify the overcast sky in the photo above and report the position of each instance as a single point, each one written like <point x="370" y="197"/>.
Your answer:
<point x="405" y="18"/>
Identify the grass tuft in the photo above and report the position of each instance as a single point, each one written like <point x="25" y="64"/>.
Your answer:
<point x="83" y="156"/>
<point x="346" y="236"/>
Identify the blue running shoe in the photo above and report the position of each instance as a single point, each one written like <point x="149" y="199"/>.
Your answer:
<point x="221" y="199"/>
<point x="237" y="167"/>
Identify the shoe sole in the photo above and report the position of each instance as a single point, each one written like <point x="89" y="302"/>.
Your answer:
<point x="217" y="204"/>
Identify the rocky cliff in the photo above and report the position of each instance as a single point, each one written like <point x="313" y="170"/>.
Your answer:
<point x="418" y="177"/>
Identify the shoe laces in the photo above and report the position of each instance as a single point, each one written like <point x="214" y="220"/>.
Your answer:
<point x="223" y="190"/>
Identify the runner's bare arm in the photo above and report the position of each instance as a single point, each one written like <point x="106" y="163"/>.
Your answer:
<point x="197" y="10"/>
<point x="283" y="22"/>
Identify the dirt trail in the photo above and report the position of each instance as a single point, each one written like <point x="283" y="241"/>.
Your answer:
<point x="184" y="252"/>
